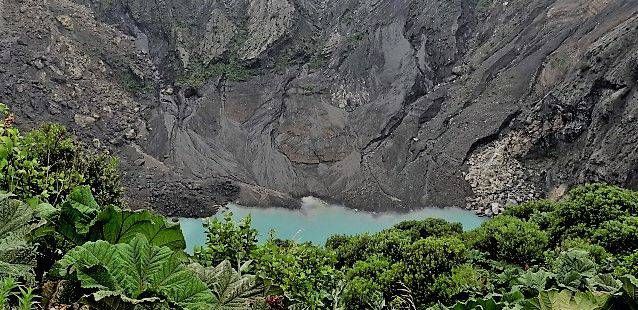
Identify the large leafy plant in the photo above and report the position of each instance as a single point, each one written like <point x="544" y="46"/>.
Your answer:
<point x="81" y="219"/>
<point x="16" y="254"/>
<point x="232" y="289"/>
<point x="134" y="273"/>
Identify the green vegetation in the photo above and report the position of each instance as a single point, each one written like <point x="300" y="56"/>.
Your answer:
<point x="198" y="73"/>
<point x="16" y="259"/>
<point x="317" y="61"/>
<point x="46" y="164"/>
<point x="74" y="245"/>
<point x="134" y="84"/>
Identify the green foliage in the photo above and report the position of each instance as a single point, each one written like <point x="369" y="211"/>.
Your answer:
<point x="232" y="290"/>
<point x="463" y="281"/>
<point x="596" y="252"/>
<point x="27" y="299"/>
<point x="77" y="214"/>
<point x="362" y="294"/>
<point x="429" y="258"/>
<point x="573" y="268"/>
<point x="134" y="273"/>
<point x="7" y="286"/>
<point x="227" y="241"/>
<point x="628" y="264"/>
<point x="132" y="83"/>
<point x="618" y="236"/>
<point x="530" y="209"/>
<point x="590" y="206"/>
<point x="566" y="300"/>
<point x="371" y="282"/>
<point x="81" y="219"/>
<point x="305" y="273"/>
<point x="16" y="254"/>
<point x="391" y="243"/>
<point x="24" y="298"/>
<point x="430" y="228"/>
<point x="198" y="72"/>
<point x="629" y="291"/>
<point x="120" y="226"/>
<point x="510" y="239"/>
<point x="47" y="163"/>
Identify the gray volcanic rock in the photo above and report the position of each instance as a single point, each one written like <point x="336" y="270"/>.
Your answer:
<point x="377" y="104"/>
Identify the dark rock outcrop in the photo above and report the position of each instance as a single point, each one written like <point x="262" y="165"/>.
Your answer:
<point x="377" y="104"/>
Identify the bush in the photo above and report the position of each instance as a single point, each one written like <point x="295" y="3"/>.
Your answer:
<point x="366" y="279"/>
<point x="530" y="209"/>
<point x="462" y="282"/>
<point x="227" y="241"/>
<point x="428" y="258"/>
<point x="362" y="294"/>
<point x="628" y="264"/>
<point x="48" y="163"/>
<point x="430" y="228"/>
<point x="573" y="267"/>
<point x="304" y="272"/>
<point x="510" y="239"/>
<point x="618" y="236"/>
<point x="589" y="206"/>
<point x="390" y="243"/>
<point x="597" y="252"/>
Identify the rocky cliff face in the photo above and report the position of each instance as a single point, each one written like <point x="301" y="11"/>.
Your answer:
<point x="377" y="104"/>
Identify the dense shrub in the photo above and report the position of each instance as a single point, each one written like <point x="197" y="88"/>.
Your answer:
<point x="227" y="241"/>
<point x="48" y="163"/>
<point x="510" y="239"/>
<point x="530" y="209"/>
<point x="371" y="281"/>
<point x="587" y="207"/>
<point x="426" y="260"/>
<point x="362" y="294"/>
<point x="462" y="282"/>
<point x="304" y="272"/>
<point x="618" y="236"/>
<point x="628" y="264"/>
<point x="390" y="243"/>
<point x="597" y="252"/>
<point x="430" y="228"/>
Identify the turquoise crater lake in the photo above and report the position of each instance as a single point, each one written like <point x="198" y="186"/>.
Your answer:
<point x="316" y="221"/>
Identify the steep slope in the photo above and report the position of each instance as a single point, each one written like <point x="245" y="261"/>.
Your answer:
<point x="377" y="104"/>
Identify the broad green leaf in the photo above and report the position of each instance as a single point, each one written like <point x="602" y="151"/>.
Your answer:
<point x="566" y="300"/>
<point x="77" y="214"/>
<point x="134" y="272"/>
<point x="478" y="303"/>
<point x="592" y="300"/>
<point x="553" y="300"/>
<point x="232" y="290"/>
<point x="534" y="280"/>
<point x="604" y="282"/>
<point x="82" y="197"/>
<point x="513" y="296"/>
<point x="630" y="290"/>
<point x="45" y="210"/>
<point x="16" y="255"/>
<point x="117" y="226"/>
